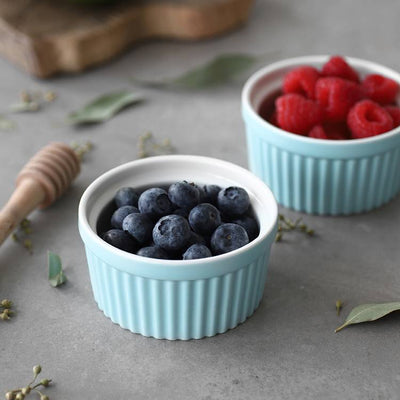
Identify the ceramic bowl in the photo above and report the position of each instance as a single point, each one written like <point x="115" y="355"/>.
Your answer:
<point x="326" y="177"/>
<point x="177" y="299"/>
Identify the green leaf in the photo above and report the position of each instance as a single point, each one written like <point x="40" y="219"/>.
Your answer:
<point x="369" y="312"/>
<point x="56" y="274"/>
<point x="104" y="107"/>
<point x="220" y="70"/>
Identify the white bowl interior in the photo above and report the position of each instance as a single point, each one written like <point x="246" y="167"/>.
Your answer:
<point x="168" y="169"/>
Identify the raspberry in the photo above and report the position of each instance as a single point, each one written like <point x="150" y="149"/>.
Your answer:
<point x="337" y="96"/>
<point x="332" y="131"/>
<point x="380" y="89"/>
<point x="394" y="112"/>
<point x="318" y="132"/>
<point x="301" y="80"/>
<point x="368" y="118"/>
<point x="337" y="66"/>
<point x="297" y="114"/>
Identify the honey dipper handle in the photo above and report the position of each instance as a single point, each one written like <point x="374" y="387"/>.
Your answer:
<point x="26" y="197"/>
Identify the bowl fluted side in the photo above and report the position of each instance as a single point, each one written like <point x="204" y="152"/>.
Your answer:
<point x="172" y="309"/>
<point x="325" y="186"/>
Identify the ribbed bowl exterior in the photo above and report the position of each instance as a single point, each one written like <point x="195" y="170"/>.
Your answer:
<point x="178" y="309"/>
<point x="323" y="177"/>
<point x="177" y="299"/>
<point x="325" y="186"/>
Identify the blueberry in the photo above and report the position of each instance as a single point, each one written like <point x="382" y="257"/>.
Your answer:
<point x="126" y="196"/>
<point x="155" y="203"/>
<point x="202" y="194"/>
<point x="233" y="201"/>
<point x="120" y="214"/>
<point x="195" y="238"/>
<point x="228" y="237"/>
<point x="184" y="195"/>
<point x="140" y="226"/>
<point x="210" y="194"/>
<point x="249" y="224"/>
<point x="153" y="252"/>
<point x="121" y="240"/>
<point x="183" y="212"/>
<point x="196" y="251"/>
<point x="171" y="232"/>
<point x="204" y="219"/>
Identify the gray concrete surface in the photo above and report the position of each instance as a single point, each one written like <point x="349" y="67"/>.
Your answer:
<point x="288" y="349"/>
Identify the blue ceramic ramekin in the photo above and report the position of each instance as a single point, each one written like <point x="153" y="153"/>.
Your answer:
<point x="176" y="299"/>
<point x="327" y="177"/>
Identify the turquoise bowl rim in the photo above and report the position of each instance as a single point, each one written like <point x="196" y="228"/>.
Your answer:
<point x="340" y="149"/>
<point x="261" y="197"/>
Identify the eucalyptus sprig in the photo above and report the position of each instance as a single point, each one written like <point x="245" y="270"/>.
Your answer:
<point x="285" y="224"/>
<point x="216" y="72"/>
<point x="56" y="273"/>
<point x="368" y="313"/>
<point x="81" y="149"/>
<point x="5" y="308"/>
<point x="104" y="107"/>
<point x="339" y="306"/>
<point x="22" y="234"/>
<point x="148" y="146"/>
<point x="31" y="387"/>
<point x="32" y="101"/>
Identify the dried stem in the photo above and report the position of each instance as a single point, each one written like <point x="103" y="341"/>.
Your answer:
<point x="287" y="225"/>
<point x="147" y="146"/>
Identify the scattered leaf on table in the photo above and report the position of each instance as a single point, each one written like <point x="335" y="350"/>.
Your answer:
<point x="6" y="124"/>
<point x="216" y="72"/>
<point x="104" y="107"/>
<point x="56" y="274"/>
<point x="369" y="312"/>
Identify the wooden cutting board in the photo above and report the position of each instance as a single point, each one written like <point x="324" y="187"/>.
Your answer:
<point x="46" y="37"/>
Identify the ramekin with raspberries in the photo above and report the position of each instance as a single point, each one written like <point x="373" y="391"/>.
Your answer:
<point x="290" y="105"/>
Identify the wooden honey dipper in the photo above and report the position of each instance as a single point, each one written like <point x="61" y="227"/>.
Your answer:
<point x="45" y="177"/>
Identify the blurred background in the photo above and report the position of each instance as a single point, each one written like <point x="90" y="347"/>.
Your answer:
<point x="287" y="350"/>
